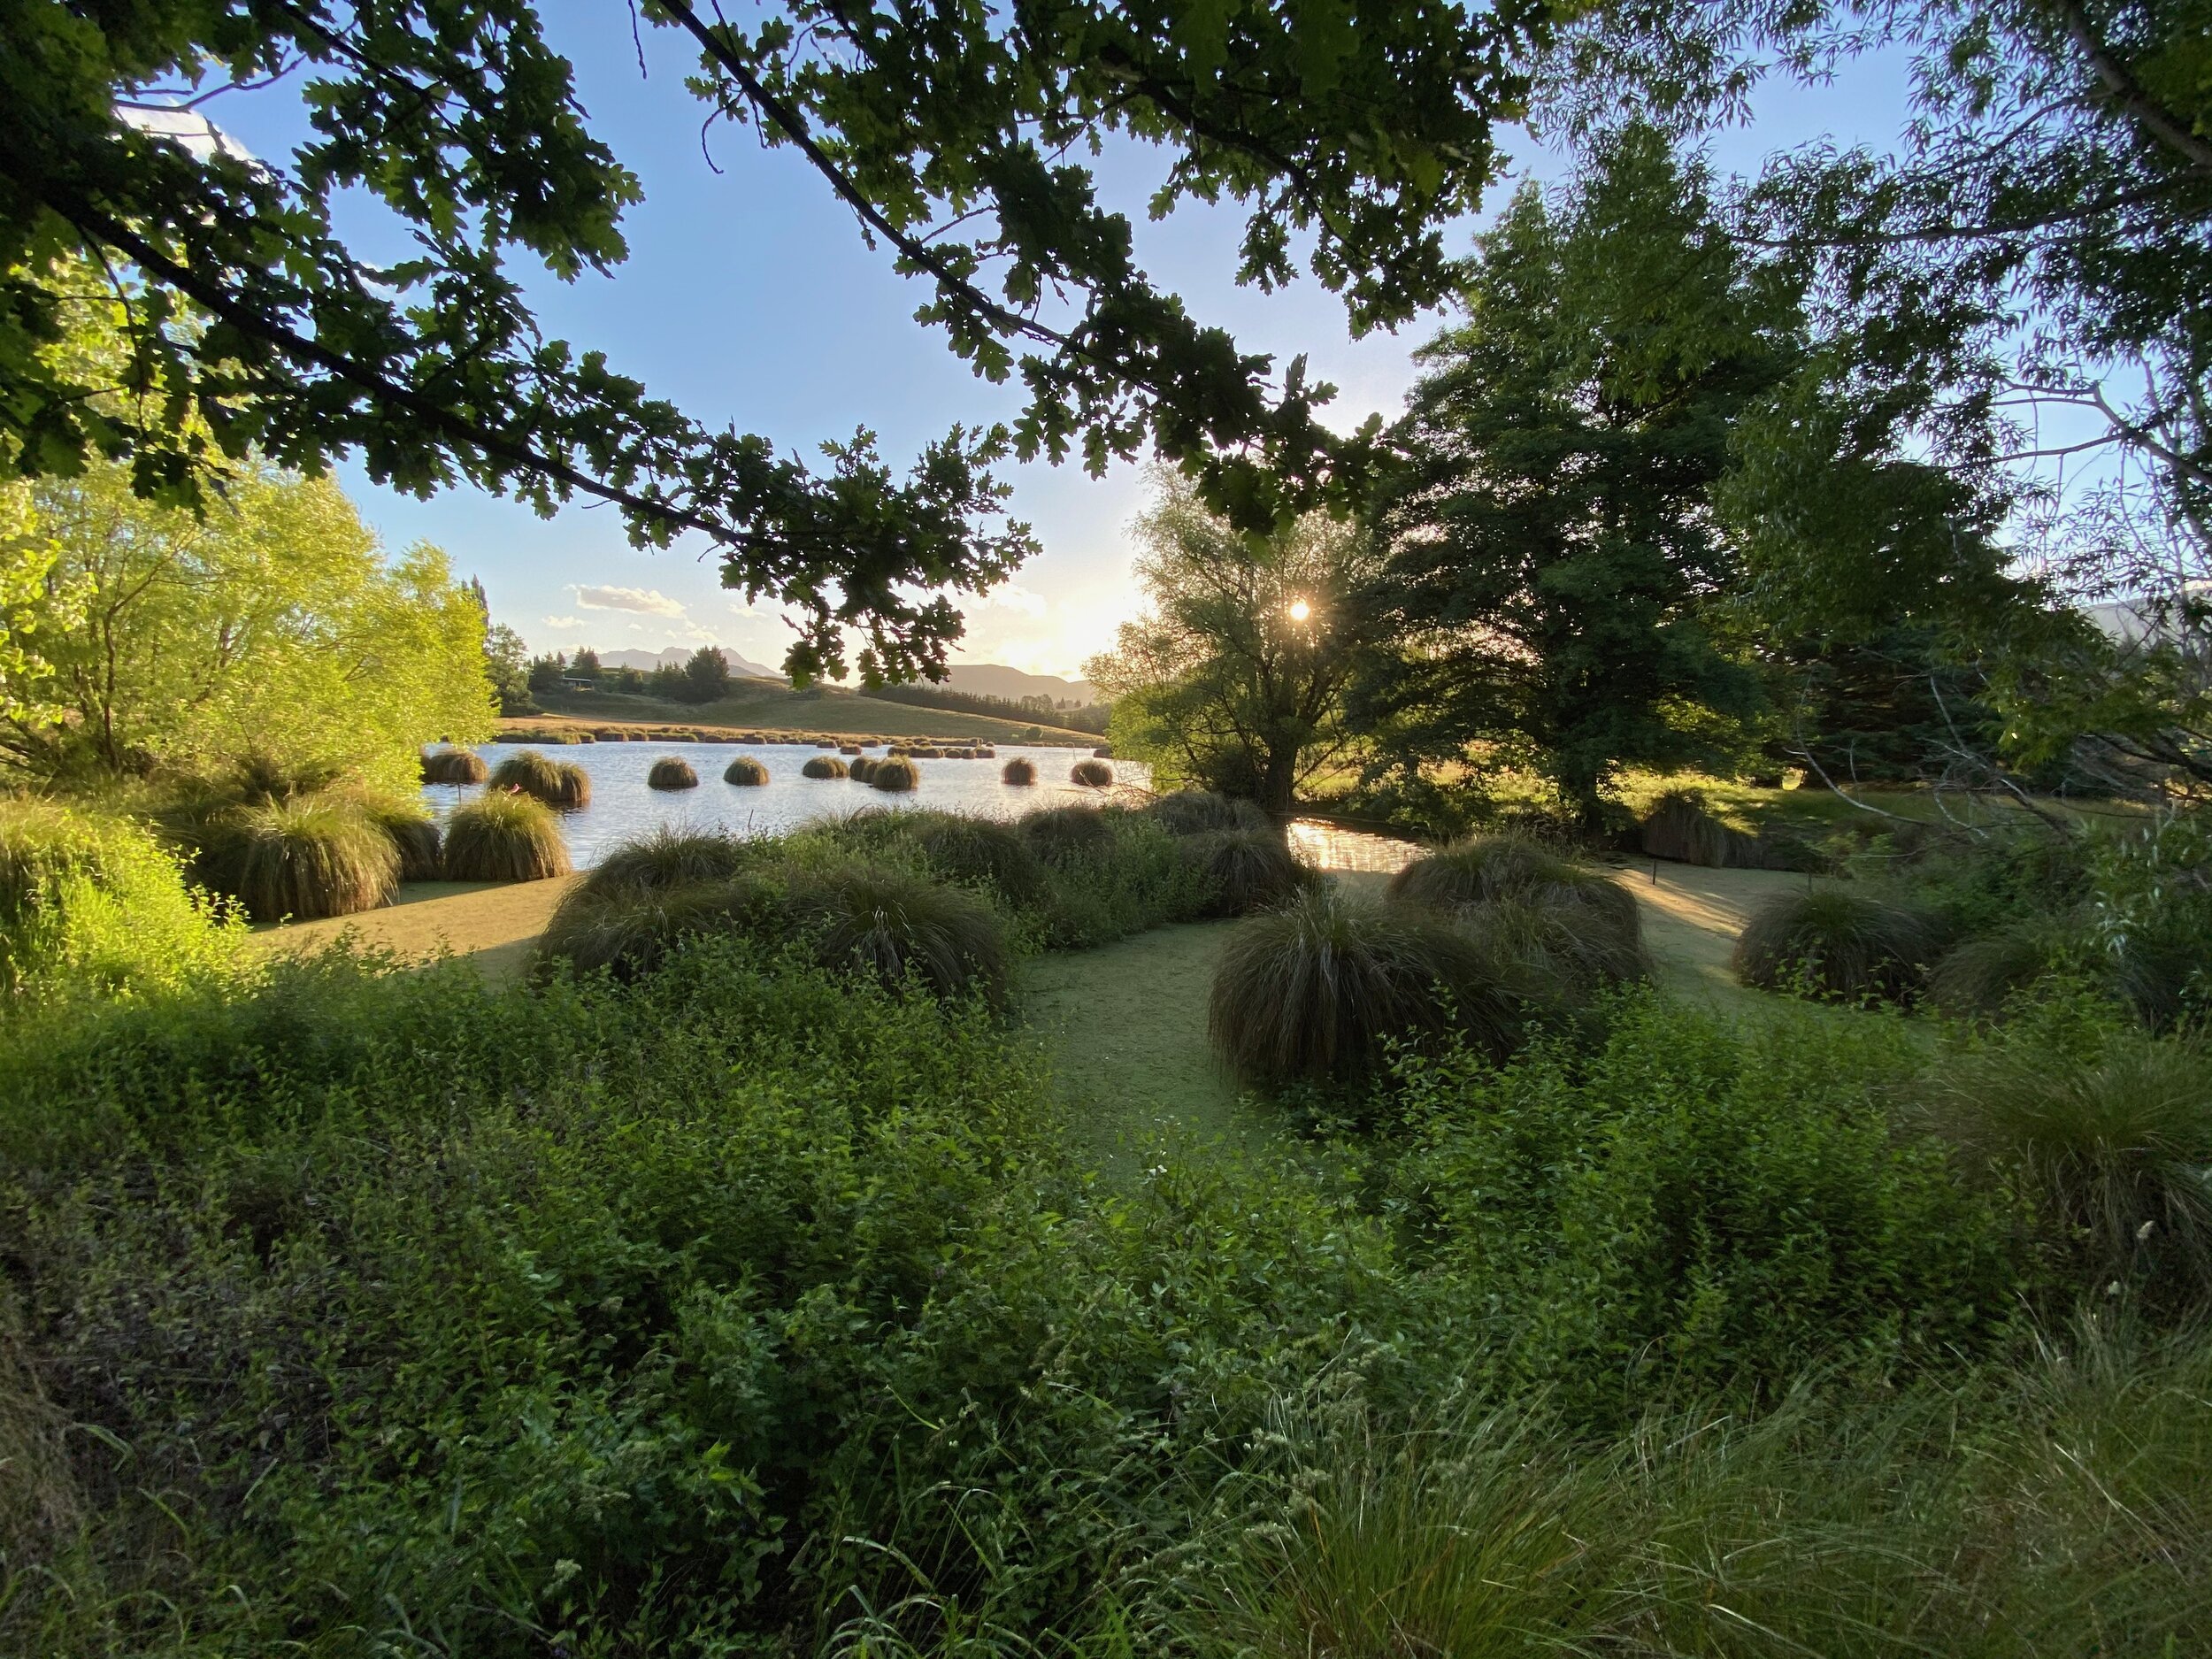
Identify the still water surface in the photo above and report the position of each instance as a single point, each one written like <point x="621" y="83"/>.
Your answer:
<point x="622" y="808"/>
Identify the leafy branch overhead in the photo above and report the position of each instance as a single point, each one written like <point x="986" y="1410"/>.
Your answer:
<point x="950" y="130"/>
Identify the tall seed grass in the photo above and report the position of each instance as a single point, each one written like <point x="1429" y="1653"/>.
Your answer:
<point x="504" y="837"/>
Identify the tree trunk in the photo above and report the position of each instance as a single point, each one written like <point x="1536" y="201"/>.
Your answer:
<point x="1278" y="784"/>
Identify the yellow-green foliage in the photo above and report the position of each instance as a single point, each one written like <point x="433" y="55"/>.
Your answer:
<point x="95" y="902"/>
<point x="271" y="622"/>
<point x="503" y="837"/>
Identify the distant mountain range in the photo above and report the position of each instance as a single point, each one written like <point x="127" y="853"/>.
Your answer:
<point x="646" y="662"/>
<point x="994" y="679"/>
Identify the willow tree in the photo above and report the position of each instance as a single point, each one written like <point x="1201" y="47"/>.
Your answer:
<point x="954" y="133"/>
<point x="268" y="626"/>
<point x="1234" y="677"/>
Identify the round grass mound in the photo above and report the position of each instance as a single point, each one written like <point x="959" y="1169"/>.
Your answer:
<point x="535" y="775"/>
<point x="2109" y="1145"/>
<point x="1479" y="870"/>
<point x="630" y="929"/>
<point x="666" y="859"/>
<point x="306" y="856"/>
<point x="1061" y="834"/>
<point x="1092" y="774"/>
<point x="1247" y="870"/>
<point x="1977" y="977"/>
<point x="862" y="769"/>
<point x="1316" y="989"/>
<point x="1556" y="938"/>
<point x="413" y="832"/>
<point x="897" y="774"/>
<point x="823" y="766"/>
<point x="1202" y="812"/>
<point x="903" y="930"/>
<point x="672" y="771"/>
<point x="454" y="765"/>
<point x="1020" y="769"/>
<point x="984" y="850"/>
<point x="1838" y="944"/>
<point x="746" y="771"/>
<point x="502" y="836"/>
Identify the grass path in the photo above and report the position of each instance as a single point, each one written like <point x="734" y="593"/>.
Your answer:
<point x="494" y="924"/>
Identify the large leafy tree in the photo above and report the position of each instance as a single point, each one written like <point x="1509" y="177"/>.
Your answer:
<point x="268" y="628"/>
<point x="951" y="130"/>
<point x="1551" y="536"/>
<point x="1234" y="677"/>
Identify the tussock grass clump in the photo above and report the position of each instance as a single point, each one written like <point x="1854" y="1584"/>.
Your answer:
<point x="454" y="765"/>
<point x="306" y="856"/>
<point x="1682" y="827"/>
<point x="672" y="771"/>
<point x="665" y="859"/>
<point x="1483" y="869"/>
<point x="896" y="775"/>
<point x="1977" y="977"/>
<point x="1061" y="834"/>
<point x="535" y="775"/>
<point x="631" y="930"/>
<point x="1092" y="774"/>
<point x="849" y="749"/>
<point x="1020" y="769"/>
<point x="823" y="766"/>
<point x="1836" y="943"/>
<point x="1315" y="990"/>
<point x="2109" y="1139"/>
<point x="964" y="849"/>
<point x="1248" y="870"/>
<point x="1555" y="936"/>
<point x="903" y="929"/>
<point x="862" y="769"/>
<point x="1202" y="812"/>
<point x="745" y="772"/>
<point x="1555" y="913"/>
<point x="502" y="836"/>
<point x="412" y="831"/>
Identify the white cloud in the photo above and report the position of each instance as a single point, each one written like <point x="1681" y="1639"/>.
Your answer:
<point x="565" y="622"/>
<point x="1013" y="596"/>
<point x="649" y="602"/>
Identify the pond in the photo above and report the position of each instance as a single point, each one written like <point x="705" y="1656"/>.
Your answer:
<point x="622" y="808"/>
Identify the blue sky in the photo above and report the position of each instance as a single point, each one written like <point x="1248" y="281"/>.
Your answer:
<point x="749" y="298"/>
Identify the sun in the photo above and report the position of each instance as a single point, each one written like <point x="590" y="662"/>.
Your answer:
<point x="1300" y="611"/>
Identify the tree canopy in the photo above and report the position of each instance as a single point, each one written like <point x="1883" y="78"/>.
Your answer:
<point x="950" y="132"/>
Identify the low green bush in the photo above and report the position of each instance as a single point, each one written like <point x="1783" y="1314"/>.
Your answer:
<point x="502" y="836"/>
<point x="1020" y="771"/>
<point x="671" y="771"/>
<point x="985" y="852"/>
<point x="1979" y="976"/>
<point x="1693" y="1207"/>
<point x="1092" y="774"/>
<point x="894" y="773"/>
<point x="93" y="903"/>
<point x="303" y="856"/>
<point x="823" y="766"/>
<point x="2151" y="900"/>
<point x="1320" y="988"/>
<point x="745" y="772"/>
<point x="1836" y="942"/>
